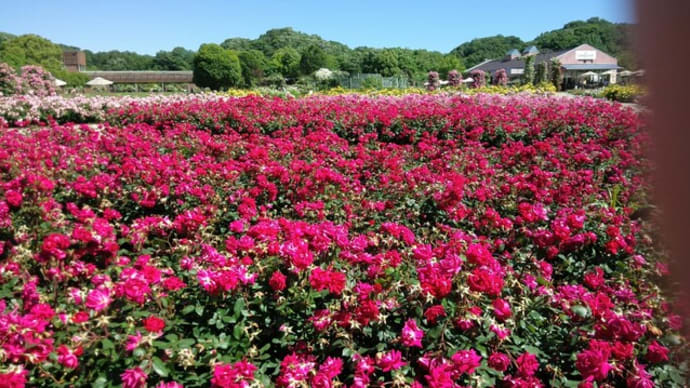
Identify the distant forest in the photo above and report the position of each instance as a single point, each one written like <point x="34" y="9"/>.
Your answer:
<point x="289" y="53"/>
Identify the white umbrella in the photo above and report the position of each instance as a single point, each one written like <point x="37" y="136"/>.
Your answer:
<point x="98" y="81"/>
<point x="468" y="79"/>
<point x="588" y="74"/>
<point x="626" y="73"/>
<point x="59" y="82"/>
<point x="609" y="72"/>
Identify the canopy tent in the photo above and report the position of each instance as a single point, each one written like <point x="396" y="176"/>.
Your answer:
<point x="98" y="81"/>
<point x="59" y="82"/>
<point x="588" y="74"/>
<point x="468" y="80"/>
<point x="441" y="82"/>
<point x="626" y="73"/>
<point x="608" y="72"/>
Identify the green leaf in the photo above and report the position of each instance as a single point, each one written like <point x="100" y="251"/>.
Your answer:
<point x="107" y="344"/>
<point x="237" y="309"/>
<point x="237" y="331"/>
<point x="159" y="367"/>
<point x="187" y="309"/>
<point x="99" y="382"/>
<point x="581" y="311"/>
<point x="186" y="343"/>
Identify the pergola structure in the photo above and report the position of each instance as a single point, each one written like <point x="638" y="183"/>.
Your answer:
<point x="144" y="77"/>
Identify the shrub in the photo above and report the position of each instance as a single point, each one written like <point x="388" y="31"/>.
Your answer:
<point x="556" y="76"/>
<point x="433" y="82"/>
<point x="372" y="82"/>
<point x="500" y="77"/>
<point x="454" y="78"/>
<point x="528" y="74"/>
<point x="541" y="73"/>
<point x="73" y="79"/>
<point x="479" y="78"/>
<point x="622" y="93"/>
<point x="216" y="67"/>
<point x="10" y="82"/>
<point x="37" y="81"/>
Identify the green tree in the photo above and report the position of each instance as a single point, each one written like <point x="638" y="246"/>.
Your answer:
<point x="216" y="67"/>
<point x="6" y="36"/>
<point x="118" y="60"/>
<point x="313" y="58"/>
<point x="384" y="62"/>
<point x="254" y="64"/>
<point x="528" y="74"/>
<point x="31" y="50"/>
<point x="556" y="76"/>
<point x="286" y="61"/>
<point x="406" y="62"/>
<point x="177" y="59"/>
<point x="540" y="73"/>
<point x="448" y="63"/>
<point x="612" y="38"/>
<point x="492" y="47"/>
<point x="238" y="44"/>
<point x="73" y="79"/>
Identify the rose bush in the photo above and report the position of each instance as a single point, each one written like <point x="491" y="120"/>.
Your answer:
<point x="426" y="240"/>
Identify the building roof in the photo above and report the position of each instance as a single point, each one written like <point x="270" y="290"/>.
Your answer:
<point x="530" y="50"/>
<point x="513" y="52"/>
<point x="142" y="77"/>
<point x="519" y="63"/>
<point x="591" y="66"/>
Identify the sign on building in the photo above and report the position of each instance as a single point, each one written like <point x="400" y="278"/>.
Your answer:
<point x="582" y="55"/>
<point x="516" y="71"/>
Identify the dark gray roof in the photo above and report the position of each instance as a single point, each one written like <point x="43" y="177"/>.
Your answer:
<point x="591" y="66"/>
<point x="517" y="63"/>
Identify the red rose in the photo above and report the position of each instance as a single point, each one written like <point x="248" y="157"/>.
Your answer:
<point x="502" y="309"/>
<point x="154" y="324"/>
<point x="656" y="352"/>
<point x="527" y="364"/>
<point x="486" y="281"/>
<point x="499" y="361"/>
<point x="594" y="361"/>
<point x="434" y="312"/>
<point x="277" y="281"/>
<point x="80" y="317"/>
<point x="13" y="198"/>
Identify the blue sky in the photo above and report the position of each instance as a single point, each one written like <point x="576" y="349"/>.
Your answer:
<point x="148" y="26"/>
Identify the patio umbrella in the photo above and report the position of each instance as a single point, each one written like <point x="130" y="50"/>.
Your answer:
<point x="59" y="82"/>
<point x="468" y="79"/>
<point x="626" y="73"/>
<point x="98" y="81"/>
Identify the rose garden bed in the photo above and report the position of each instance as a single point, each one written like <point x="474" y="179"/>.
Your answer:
<point x="434" y="240"/>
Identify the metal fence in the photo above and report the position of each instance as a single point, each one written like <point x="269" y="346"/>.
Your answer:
<point x="362" y="80"/>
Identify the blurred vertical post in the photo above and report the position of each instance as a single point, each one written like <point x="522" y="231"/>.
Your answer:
<point x="664" y="52"/>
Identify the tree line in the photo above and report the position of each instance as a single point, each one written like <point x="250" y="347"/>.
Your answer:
<point x="285" y="54"/>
